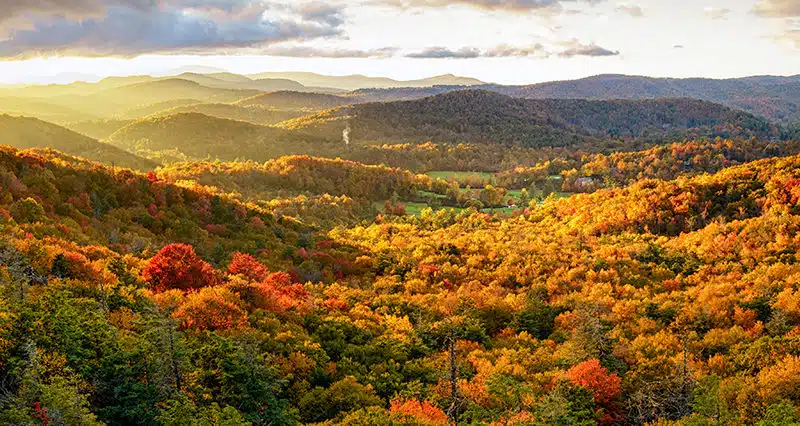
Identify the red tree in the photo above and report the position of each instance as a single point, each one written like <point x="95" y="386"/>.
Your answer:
<point x="594" y="377"/>
<point x="178" y="266"/>
<point x="604" y="386"/>
<point x="248" y="266"/>
<point x="423" y="412"/>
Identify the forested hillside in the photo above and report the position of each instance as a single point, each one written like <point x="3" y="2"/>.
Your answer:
<point x="463" y="257"/>
<point x="23" y="132"/>
<point x="776" y="98"/>
<point x="486" y="117"/>
<point x="251" y="113"/>
<point x="130" y="298"/>
<point x="194" y="136"/>
<point x="97" y="129"/>
<point x="296" y="101"/>
<point x="297" y="173"/>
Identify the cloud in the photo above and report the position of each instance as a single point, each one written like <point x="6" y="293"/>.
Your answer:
<point x="505" y="51"/>
<point x="787" y="15"/>
<point x="633" y="10"/>
<point x="501" y="51"/>
<point x="570" y="48"/>
<point x="717" y="12"/>
<point x="317" y="52"/>
<point x="777" y="8"/>
<point x="789" y="33"/>
<point x="189" y="26"/>
<point x="575" y="48"/>
<point x="493" y="5"/>
<point x="445" y="53"/>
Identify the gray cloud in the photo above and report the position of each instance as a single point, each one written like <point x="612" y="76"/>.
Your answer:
<point x="570" y="49"/>
<point x="778" y="8"/>
<point x="633" y="10"/>
<point x="575" y="48"/>
<point x="511" y="5"/>
<point x="445" y="53"/>
<point x="505" y="51"/>
<point x="129" y="31"/>
<point x="316" y="52"/>
<point x="501" y="51"/>
<point x="70" y="8"/>
<point x="321" y="12"/>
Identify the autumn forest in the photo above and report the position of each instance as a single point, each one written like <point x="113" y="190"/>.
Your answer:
<point x="220" y="249"/>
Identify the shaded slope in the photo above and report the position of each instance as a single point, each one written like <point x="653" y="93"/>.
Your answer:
<point x="191" y="136"/>
<point x="24" y="133"/>
<point x="483" y="116"/>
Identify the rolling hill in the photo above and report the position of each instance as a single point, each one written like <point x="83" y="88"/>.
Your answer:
<point x="41" y="108"/>
<point x="777" y="98"/>
<point x="118" y="101"/>
<point x="26" y="133"/>
<point x="97" y="129"/>
<point x="355" y="82"/>
<point x="483" y="116"/>
<point x="215" y="80"/>
<point x="296" y="101"/>
<point x="194" y="136"/>
<point x="150" y="109"/>
<point x="171" y="89"/>
<point x="240" y="82"/>
<point x="401" y="93"/>
<point x="252" y="114"/>
<point x="132" y="97"/>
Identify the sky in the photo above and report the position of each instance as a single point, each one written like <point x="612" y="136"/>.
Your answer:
<point x="509" y="42"/>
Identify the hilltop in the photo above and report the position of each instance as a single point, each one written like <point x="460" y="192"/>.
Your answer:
<point x="194" y="136"/>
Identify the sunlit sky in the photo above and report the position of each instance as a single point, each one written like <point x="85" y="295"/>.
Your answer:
<point x="517" y="41"/>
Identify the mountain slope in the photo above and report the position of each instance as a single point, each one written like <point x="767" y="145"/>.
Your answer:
<point x="171" y="89"/>
<point x="252" y="114"/>
<point x="97" y="129"/>
<point x="776" y="98"/>
<point x="291" y="100"/>
<point x="192" y="136"/>
<point x="483" y="116"/>
<point x="41" y="108"/>
<point x="109" y="102"/>
<point x="25" y="133"/>
<point x="240" y="82"/>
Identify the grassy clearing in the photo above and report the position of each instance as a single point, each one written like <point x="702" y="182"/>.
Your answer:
<point x="415" y="208"/>
<point x="451" y="175"/>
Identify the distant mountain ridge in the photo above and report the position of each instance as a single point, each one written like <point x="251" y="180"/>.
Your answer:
<point x="357" y="81"/>
<point x="132" y="97"/>
<point x="773" y="97"/>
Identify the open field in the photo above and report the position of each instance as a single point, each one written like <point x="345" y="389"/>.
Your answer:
<point x="453" y="175"/>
